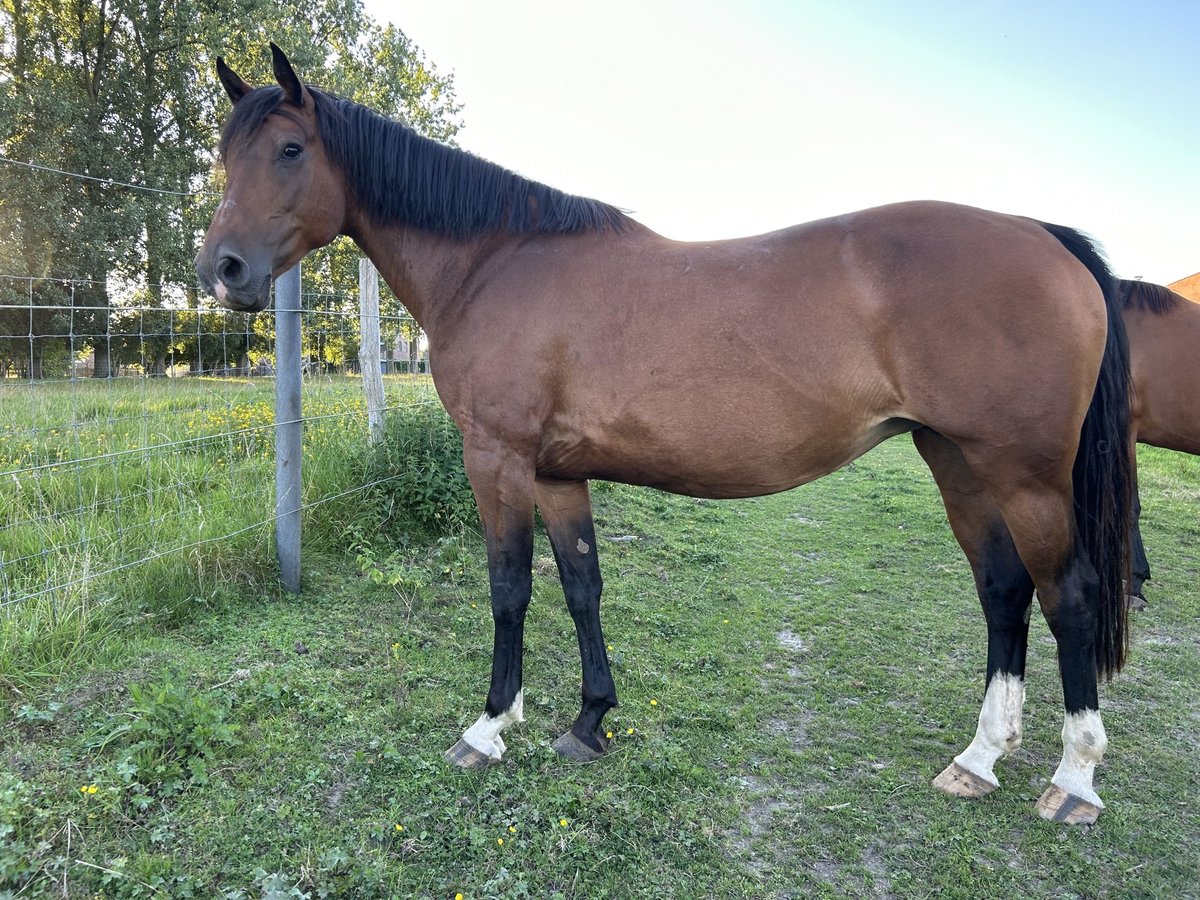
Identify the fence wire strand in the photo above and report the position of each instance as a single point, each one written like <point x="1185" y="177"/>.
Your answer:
<point x="119" y="423"/>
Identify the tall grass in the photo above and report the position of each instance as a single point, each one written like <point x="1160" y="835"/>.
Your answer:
<point x="145" y="498"/>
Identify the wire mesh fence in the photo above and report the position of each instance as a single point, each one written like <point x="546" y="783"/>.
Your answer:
<point x="133" y="428"/>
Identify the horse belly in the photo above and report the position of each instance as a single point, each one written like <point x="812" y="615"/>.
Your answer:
<point x="705" y="448"/>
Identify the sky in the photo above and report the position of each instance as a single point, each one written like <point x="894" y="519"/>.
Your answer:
<point x="710" y="119"/>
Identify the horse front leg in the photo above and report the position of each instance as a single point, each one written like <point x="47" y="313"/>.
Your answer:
<point x="503" y="486"/>
<point x="566" y="509"/>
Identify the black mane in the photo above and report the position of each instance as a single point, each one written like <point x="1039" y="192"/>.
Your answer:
<point x="1145" y="295"/>
<point x="399" y="176"/>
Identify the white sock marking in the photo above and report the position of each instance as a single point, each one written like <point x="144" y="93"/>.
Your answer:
<point x="999" y="731"/>
<point x="1084" y="743"/>
<point x="484" y="735"/>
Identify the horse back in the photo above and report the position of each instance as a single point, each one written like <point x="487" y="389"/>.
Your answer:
<point x="739" y="367"/>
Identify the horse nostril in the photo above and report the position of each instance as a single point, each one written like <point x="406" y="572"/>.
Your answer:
<point x="231" y="270"/>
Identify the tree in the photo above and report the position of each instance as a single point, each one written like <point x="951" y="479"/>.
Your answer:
<point x="124" y="91"/>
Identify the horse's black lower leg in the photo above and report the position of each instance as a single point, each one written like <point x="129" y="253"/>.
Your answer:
<point x="505" y="501"/>
<point x="1139" y="565"/>
<point x="510" y="567"/>
<point x="1005" y="592"/>
<point x="510" y="571"/>
<point x="1071" y="616"/>
<point x="566" y="510"/>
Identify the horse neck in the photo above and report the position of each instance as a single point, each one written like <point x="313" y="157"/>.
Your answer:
<point x="425" y="271"/>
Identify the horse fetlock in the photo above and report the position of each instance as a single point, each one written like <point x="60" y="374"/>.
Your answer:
<point x="484" y="735"/>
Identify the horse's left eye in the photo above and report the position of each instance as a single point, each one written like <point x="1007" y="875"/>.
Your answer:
<point x="292" y="151"/>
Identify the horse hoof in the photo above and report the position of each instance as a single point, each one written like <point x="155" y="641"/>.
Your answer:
<point x="962" y="783"/>
<point x="1056" y="805"/>
<point x="465" y="756"/>
<point x="571" y="747"/>
<point x="1136" y="601"/>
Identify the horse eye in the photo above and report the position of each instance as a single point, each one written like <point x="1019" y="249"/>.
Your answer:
<point x="292" y="151"/>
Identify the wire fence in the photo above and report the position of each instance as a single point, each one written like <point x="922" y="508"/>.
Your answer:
<point x="131" y="431"/>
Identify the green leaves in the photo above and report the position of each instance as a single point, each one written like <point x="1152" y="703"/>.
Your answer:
<point x="174" y="734"/>
<point x="128" y="92"/>
<point x="425" y="488"/>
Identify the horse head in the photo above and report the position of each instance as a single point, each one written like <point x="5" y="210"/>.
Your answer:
<point x="282" y="197"/>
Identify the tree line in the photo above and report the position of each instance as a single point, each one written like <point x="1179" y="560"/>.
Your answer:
<point x="123" y="92"/>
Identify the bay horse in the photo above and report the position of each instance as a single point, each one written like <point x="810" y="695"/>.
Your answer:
<point x="1164" y="351"/>
<point x="995" y="340"/>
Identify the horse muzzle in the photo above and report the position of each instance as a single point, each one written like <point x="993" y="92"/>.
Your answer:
<point x="235" y="283"/>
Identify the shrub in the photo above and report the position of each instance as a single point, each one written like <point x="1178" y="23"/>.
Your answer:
<point x="169" y="736"/>
<point x="422" y="487"/>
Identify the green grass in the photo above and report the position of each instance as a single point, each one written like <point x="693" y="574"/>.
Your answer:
<point x="813" y="659"/>
<point x="145" y="498"/>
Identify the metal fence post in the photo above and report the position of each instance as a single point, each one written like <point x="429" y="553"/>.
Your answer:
<point x="289" y="428"/>
<point x="368" y="346"/>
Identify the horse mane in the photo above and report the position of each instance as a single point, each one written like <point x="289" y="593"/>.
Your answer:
<point x="399" y="176"/>
<point x="1148" y="296"/>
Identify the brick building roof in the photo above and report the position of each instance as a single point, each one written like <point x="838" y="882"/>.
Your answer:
<point x="1189" y="287"/>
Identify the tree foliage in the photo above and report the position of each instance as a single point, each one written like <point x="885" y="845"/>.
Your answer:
<point x="124" y="91"/>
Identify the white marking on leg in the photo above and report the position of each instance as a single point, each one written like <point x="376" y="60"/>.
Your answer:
<point x="999" y="731"/>
<point x="582" y="546"/>
<point x="1084" y="743"/>
<point x="484" y="735"/>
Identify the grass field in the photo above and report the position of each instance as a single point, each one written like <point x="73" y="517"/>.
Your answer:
<point x="793" y="671"/>
<point x="142" y="497"/>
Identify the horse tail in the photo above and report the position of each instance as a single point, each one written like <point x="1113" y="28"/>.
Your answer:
<point x="1103" y="473"/>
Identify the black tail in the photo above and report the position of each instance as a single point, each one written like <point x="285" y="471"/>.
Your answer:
<point x="1103" y="473"/>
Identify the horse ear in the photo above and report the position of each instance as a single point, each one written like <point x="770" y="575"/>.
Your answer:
<point x="286" y="76"/>
<point x="233" y="83"/>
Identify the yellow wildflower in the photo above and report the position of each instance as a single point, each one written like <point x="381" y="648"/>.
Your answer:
<point x="399" y="827"/>
<point x="610" y="735"/>
<point x="500" y="841"/>
<point x="562" y="823"/>
<point x="512" y="829"/>
<point x="654" y="703"/>
<point x="629" y="731"/>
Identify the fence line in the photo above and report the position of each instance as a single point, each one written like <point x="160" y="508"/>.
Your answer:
<point x="100" y="475"/>
<point x="106" y="181"/>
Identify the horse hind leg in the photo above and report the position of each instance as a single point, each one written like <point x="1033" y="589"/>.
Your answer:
<point x="1041" y="518"/>
<point x="1069" y="608"/>
<point x="1139" y="564"/>
<point x="566" y="510"/>
<point x="1005" y="592"/>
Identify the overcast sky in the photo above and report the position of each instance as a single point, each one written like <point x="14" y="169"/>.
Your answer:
<point x="714" y="119"/>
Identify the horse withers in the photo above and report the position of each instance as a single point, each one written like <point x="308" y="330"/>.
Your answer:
<point x="934" y="319"/>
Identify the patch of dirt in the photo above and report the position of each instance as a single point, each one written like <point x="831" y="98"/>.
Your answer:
<point x="760" y="810"/>
<point x="872" y="857"/>
<point x="795" y="730"/>
<point x="789" y="640"/>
